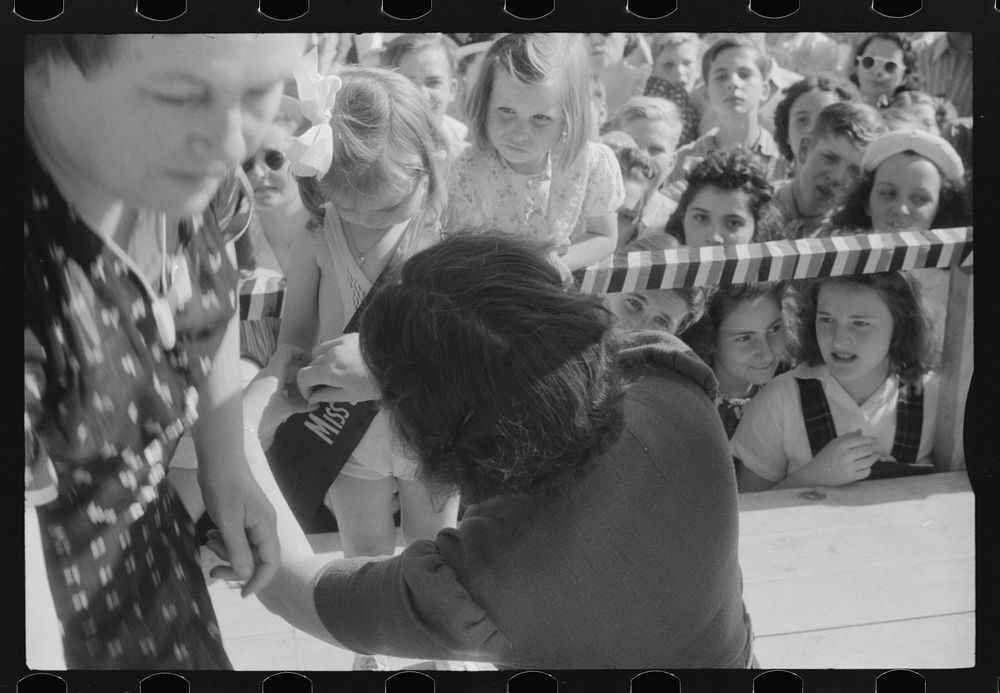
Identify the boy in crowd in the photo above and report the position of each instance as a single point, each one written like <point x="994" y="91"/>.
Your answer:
<point x="829" y="165"/>
<point x="736" y="71"/>
<point x="779" y="78"/>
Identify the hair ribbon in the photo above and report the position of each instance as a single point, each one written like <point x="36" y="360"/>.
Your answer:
<point x="311" y="153"/>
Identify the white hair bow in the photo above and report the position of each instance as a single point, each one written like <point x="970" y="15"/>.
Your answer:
<point x="312" y="152"/>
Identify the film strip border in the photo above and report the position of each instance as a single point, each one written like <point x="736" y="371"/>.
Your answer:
<point x="408" y="10"/>
<point x="776" y="260"/>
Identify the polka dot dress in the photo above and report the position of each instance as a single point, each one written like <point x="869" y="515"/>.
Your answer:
<point x="105" y="404"/>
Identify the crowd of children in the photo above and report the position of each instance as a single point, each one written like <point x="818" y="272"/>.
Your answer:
<point x="601" y="143"/>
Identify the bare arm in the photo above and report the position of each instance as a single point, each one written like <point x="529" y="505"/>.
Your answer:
<point x="599" y="238"/>
<point x="843" y="460"/>
<point x="300" y="310"/>
<point x="290" y="593"/>
<point x="233" y="499"/>
<point x="748" y="481"/>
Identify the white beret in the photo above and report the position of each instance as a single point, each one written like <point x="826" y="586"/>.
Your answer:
<point x="930" y="146"/>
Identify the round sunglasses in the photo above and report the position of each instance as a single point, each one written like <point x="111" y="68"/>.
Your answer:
<point x="273" y="159"/>
<point x="868" y="62"/>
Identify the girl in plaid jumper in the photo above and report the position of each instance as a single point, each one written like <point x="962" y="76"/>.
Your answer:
<point x="861" y="397"/>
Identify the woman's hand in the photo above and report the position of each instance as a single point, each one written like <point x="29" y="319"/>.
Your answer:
<point x="564" y="272"/>
<point x="843" y="460"/>
<point x="337" y="373"/>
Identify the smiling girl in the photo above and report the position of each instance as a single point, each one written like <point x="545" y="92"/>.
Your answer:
<point x="911" y="181"/>
<point x="742" y="337"/>
<point x="531" y="169"/>
<point x="862" y="392"/>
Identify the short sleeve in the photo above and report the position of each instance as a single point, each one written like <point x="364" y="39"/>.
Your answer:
<point x="462" y="197"/>
<point x="605" y="188"/>
<point x="759" y="439"/>
<point x="410" y="605"/>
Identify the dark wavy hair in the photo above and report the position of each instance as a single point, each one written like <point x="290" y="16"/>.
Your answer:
<point x="909" y="349"/>
<point x="953" y="206"/>
<point x="782" y="112"/>
<point x="497" y="378"/>
<point x="703" y="335"/>
<point x="732" y="168"/>
<point x="909" y="59"/>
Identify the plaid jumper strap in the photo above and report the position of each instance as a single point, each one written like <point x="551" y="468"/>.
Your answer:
<point x="909" y="423"/>
<point x="816" y="414"/>
<point x="909" y="419"/>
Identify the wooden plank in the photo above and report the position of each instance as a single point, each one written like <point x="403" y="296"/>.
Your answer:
<point x="869" y="594"/>
<point x="946" y="642"/>
<point x="818" y="506"/>
<point x="956" y="372"/>
<point x="871" y="552"/>
<point x="905" y="546"/>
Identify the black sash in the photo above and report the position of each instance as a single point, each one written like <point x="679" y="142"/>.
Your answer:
<point x="310" y="449"/>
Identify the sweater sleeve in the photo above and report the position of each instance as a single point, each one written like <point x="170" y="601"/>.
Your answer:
<point x="411" y="605"/>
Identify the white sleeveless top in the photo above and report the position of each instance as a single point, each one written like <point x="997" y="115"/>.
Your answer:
<point x="376" y="448"/>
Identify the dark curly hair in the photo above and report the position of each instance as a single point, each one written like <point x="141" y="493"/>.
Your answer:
<point x="636" y="164"/>
<point x="732" y="168"/>
<point x="703" y="335"/>
<point x="495" y="377"/>
<point x="909" y="59"/>
<point x="953" y="206"/>
<point x="909" y="349"/>
<point x="782" y="112"/>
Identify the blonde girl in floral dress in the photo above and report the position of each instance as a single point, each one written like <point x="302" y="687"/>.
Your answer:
<point x="530" y="169"/>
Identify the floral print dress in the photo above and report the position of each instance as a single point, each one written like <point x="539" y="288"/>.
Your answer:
<point x="546" y="206"/>
<point x="105" y="403"/>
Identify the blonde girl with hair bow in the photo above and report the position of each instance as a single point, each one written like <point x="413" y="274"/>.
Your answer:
<point x="369" y="173"/>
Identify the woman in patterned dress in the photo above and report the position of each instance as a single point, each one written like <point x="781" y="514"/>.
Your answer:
<point x="130" y="201"/>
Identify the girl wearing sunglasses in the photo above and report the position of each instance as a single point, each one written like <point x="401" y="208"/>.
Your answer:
<point x="279" y="215"/>
<point x="882" y="67"/>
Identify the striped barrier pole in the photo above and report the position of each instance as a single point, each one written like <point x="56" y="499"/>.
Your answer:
<point x="805" y="258"/>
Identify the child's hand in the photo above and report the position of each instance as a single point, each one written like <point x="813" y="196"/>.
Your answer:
<point x="843" y="460"/>
<point x="284" y="364"/>
<point x="217" y="545"/>
<point x="285" y="399"/>
<point x="337" y="373"/>
<point x="564" y="272"/>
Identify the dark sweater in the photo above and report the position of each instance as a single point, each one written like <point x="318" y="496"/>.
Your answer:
<point x="633" y="566"/>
